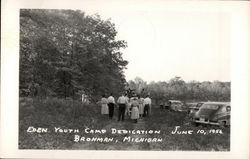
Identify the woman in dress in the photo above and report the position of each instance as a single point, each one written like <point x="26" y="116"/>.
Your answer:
<point x="141" y="109"/>
<point x="128" y="106"/>
<point x="104" y="103"/>
<point x="135" y="109"/>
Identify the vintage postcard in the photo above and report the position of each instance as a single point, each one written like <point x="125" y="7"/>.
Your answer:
<point x="145" y="77"/>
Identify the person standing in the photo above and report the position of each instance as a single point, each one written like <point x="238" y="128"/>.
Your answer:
<point x="122" y="102"/>
<point x="111" y="104"/>
<point x="147" y="106"/>
<point x="104" y="104"/>
<point x="141" y="106"/>
<point x="127" y="112"/>
<point x="135" y="109"/>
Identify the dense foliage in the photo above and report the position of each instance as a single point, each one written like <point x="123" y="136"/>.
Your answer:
<point x="66" y="53"/>
<point x="178" y="89"/>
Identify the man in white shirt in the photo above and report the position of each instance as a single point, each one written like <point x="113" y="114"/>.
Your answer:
<point x="111" y="104"/>
<point x="147" y="106"/>
<point x="122" y="101"/>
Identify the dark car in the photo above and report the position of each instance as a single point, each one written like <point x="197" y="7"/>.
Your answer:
<point x="213" y="113"/>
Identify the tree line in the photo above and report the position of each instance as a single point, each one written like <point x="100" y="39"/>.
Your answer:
<point x="177" y="89"/>
<point x="66" y="53"/>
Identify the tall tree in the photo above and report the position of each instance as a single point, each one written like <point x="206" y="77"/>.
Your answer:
<point x="66" y="52"/>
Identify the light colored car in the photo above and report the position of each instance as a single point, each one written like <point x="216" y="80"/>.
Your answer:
<point x="213" y="113"/>
<point x="176" y="105"/>
<point x="194" y="107"/>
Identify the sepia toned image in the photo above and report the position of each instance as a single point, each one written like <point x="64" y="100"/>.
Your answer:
<point x="135" y="79"/>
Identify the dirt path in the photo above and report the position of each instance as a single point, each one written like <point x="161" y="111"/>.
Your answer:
<point x="140" y="125"/>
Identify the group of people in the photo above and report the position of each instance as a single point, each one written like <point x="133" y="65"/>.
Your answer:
<point x="135" y="107"/>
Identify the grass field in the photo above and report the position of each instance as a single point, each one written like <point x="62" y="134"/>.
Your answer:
<point x="70" y="114"/>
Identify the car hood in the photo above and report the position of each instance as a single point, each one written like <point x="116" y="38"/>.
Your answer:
<point x="206" y="113"/>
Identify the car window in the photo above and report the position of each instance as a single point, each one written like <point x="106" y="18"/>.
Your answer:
<point x="210" y="106"/>
<point x="224" y="109"/>
<point x="199" y="104"/>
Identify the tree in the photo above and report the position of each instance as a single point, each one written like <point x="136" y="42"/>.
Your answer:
<point x="66" y="52"/>
<point x="178" y="89"/>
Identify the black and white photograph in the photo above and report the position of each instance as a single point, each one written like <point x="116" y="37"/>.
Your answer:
<point x="137" y="76"/>
<point x="165" y="86"/>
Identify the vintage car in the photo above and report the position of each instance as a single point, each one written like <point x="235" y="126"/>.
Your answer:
<point x="176" y="105"/>
<point x="213" y="113"/>
<point x="194" y="107"/>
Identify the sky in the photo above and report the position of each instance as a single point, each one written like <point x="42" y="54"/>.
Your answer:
<point x="164" y="43"/>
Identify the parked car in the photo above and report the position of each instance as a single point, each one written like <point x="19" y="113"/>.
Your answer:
<point x="176" y="105"/>
<point x="213" y="113"/>
<point x="194" y="107"/>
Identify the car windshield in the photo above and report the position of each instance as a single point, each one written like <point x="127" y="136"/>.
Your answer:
<point x="199" y="104"/>
<point x="176" y="103"/>
<point x="210" y="106"/>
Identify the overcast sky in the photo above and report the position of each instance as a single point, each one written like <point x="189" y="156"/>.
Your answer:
<point x="164" y="43"/>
